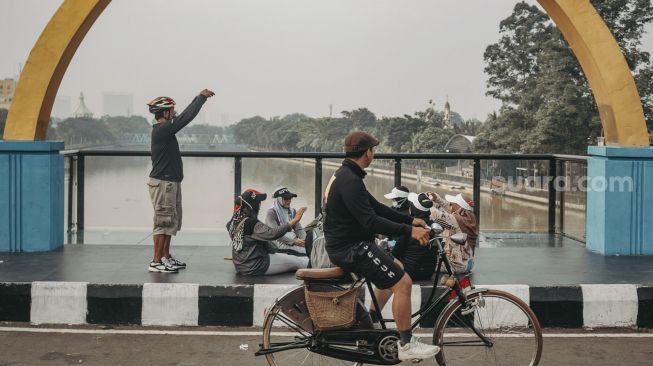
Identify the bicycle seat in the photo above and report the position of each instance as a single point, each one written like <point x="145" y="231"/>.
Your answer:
<point x="319" y="273"/>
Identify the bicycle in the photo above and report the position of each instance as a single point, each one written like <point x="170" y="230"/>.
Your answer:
<point x="474" y="326"/>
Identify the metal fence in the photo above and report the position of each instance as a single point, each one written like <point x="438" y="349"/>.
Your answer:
<point x="558" y="166"/>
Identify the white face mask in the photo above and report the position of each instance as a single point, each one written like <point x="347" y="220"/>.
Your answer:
<point x="399" y="203"/>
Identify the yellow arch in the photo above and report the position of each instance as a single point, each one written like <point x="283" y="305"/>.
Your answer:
<point x="597" y="51"/>
<point x="606" y="70"/>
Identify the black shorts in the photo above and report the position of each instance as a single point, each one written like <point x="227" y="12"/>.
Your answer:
<point x="376" y="265"/>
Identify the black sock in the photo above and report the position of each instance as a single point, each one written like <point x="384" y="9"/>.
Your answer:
<point x="405" y="336"/>
<point x="375" y="316"/>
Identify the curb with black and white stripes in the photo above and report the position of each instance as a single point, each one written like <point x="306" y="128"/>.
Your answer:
<point x="185" y="304"/>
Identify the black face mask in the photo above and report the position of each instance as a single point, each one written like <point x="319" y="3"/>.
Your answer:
<point x="250" y="206"/>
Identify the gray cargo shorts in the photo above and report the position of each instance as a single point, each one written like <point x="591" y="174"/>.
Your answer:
<point x="166" y="201"/>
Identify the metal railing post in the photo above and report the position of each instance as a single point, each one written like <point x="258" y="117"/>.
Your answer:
<point x="318" y="186"/>
<point x="71" y="192"/>
<point x="238" y="175"/>
<point x="552" y="196"/>
<point x="563" y="173"/>
<point x="79" y="178"/>
<point x="477" y="190"/>
<point x="397" y="172"/>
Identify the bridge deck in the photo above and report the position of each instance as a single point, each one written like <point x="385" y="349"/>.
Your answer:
<point x="504" y="258"/>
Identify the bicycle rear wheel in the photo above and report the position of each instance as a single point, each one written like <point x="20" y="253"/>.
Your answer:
<point x="292" y="329"/>
<point x="511" y="330"/>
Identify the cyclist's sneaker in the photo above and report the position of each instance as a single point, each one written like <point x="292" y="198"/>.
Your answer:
<point x="177" y="263"/>
<point x="416" y="350"/>
<point x="161" y="268"/>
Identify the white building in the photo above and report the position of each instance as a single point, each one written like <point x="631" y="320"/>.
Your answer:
<point x="82" y="110"/>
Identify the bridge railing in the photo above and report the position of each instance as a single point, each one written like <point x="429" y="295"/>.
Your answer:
<point x="558" y="166"/>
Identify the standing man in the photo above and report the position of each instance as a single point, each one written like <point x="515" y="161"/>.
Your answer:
<point x="352" y="218"/>
<point x="166" y="176"/>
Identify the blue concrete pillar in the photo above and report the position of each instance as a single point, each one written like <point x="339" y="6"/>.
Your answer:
<point x="620" y="200"/>
<point x="31" y="196"/>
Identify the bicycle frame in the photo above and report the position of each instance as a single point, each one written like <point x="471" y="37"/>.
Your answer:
<point x="430" y="304"/>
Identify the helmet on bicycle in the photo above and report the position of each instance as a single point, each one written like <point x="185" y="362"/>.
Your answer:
<point x="160" y="104"/>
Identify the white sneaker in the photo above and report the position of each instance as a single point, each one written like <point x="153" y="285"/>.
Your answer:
<point x="161" y="268"/>
<point x="170" y="264"/>
<point x="177" y="262"/>
<point x="416" y="350"/>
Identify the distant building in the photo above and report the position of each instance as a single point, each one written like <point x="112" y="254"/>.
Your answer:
<point x="7" y="89"/>
<point x="447" y="114"/>
<point x="117" y="104"/>
<point x="82" y="110"/>
<point x="61" y="107"/>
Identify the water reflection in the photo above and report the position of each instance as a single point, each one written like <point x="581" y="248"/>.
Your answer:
<point x="117" y="197"/>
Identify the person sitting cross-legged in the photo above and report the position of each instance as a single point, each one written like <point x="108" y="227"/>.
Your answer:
<point x="293" y="242"/>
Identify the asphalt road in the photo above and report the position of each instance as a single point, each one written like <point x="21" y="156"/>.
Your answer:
<point x="214" y="347"/>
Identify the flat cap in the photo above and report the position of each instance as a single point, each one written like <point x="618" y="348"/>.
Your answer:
<point x="359" y="141"/>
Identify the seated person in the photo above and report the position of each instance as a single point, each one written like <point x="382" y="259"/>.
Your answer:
<point x="280" y="213"/>
<point x="456" y="214"/>
<point x="249" y="238"/>
<point x="399" y="197"/>
<point x="418" y="260"/>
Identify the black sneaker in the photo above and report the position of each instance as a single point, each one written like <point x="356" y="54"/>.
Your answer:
<point x="177" y="263"/>
<point x="161" y="268"/>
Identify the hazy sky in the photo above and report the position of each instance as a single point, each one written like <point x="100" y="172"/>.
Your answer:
<point x="274" y="57"/>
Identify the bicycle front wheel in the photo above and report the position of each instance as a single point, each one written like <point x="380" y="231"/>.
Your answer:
<point x="496" y="329"/>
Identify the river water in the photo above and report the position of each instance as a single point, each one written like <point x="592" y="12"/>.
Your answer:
<point x="118" y="208"/>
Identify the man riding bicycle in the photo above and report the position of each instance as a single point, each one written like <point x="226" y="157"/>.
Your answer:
<point x="352" y="218"/>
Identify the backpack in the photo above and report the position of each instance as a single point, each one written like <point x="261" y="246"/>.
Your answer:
<point x="319" y="256"/>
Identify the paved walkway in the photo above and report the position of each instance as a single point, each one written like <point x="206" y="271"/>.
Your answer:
<point x="503" y="258"/>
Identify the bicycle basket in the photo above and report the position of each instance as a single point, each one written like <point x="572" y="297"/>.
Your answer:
<point x="333" y="309"/>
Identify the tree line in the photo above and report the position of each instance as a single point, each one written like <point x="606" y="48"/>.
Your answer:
<point x="424" y="131"/>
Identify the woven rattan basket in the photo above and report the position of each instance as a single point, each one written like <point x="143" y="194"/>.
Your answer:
<point x="332" y="310"/>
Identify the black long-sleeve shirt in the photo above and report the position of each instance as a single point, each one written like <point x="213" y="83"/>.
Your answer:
<point x="166" y="157"/>
<point x="353" y="215"/>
